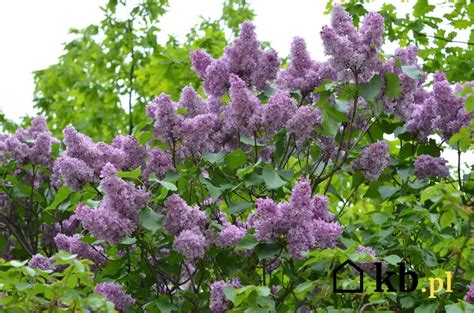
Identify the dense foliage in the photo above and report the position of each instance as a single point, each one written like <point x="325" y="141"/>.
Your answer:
<point x="248" y="199"/>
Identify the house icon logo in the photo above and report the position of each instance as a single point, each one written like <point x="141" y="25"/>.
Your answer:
<point x="348" y="265"/>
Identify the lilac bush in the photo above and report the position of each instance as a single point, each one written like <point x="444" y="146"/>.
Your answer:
<point x="246" y="192"/>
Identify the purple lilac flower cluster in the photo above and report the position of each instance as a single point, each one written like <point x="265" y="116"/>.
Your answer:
<point x="117" y="214"/>
<point x="218" y="302"/>
<point x="469" y="297"/>
<point x="115" y="294"/>
<point x="351" y="50"/>
<point x="304" y="220"/>
<point x="29" y="146"/>
<point x="373" y="160"/>
<point x="188" y="225"/>
<point x="427" y="166"/>
<point x="243" y="58"/>
<point x="41" y="262"/>
<point x="74" y="245"/>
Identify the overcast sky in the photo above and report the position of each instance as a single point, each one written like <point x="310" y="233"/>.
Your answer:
<point x="32" y="34"/>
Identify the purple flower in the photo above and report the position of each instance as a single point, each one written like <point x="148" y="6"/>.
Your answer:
<point x="427" y="166"/>
<point x="191" y="243"/>
<point x="74" y="172"/>
<point x="121" y="196"/>
<point x="115" y="294"/>
<point x="303" y="73"/>
<point x="422" y="118"/>
<point x="469" y="297"/>
<point x="201" y="133"/>
<point x="167" y="122"/>
<point x="373" y="160"/>
<point x="41" y="262"/>
<point x="248" y="61"/>
<point x="304" y="220"/>
<point x="328" y="148"/>
<point x="243" y="108"/>
<point x="303" y="122"/>
<point x="278" y="111"/>
<point x="105" y="224"/>
<point x="158" y="162"/>
<point x="192" y="101"/>
<point x="201" y="60"/>
<point x="449" y="108"/>
<point x="230" y="235"/>
<point x="134" y="153"/>
<point x="216" y="81"/>
<point x="217" y="302"/>
<point x="352" y="50"/>
<point x="181" y="216"/>
<point x="74" y="245"/>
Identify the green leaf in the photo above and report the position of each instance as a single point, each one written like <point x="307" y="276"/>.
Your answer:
<point x="61" y="195"/>
<point x="230" y="293"/>
<point x="305" y="287"/>
<point x="393" y="87"/>
<point x="237" y="207"/>
<point x="427" y="308"/>
<point x="422" y="7"/>
<point x="165" y="184"/>
<point x="469" y="104"/>
<point x="248" y="242"/>
<point x="16" y="263"/>
<point x="214" y="191"/>
<point x="387" y="191"/>
<point x="235" y="159"/>
<point x="267" y="250"/>
<point x="379" y="218"/>
<point x="446" y="219"/>
<point x="392" y="259"/>
<point x="135" y="174"/>
<point x="371" y="89"/>
<point x="271" y="178"/>
<point x="150" y="219"/>
<point x="213" y="158"/>
<point x="412" y="71"/>
<point x="250" y="141"/>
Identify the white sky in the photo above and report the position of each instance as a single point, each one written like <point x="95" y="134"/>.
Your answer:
<point x="32" y="34"/>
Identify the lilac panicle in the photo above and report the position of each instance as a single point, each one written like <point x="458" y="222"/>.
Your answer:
<point x="191" y="243"/>
<point x="243" y="107"/>
<point x="350" y="49"/>
<point x="303" y="122"/>
<point x="449" y="108"/>
<point x="115" y="294"/>
<point x="181" y="216"/>
<point x="216" y="82"/>
<point x="121" y="196"/>
<point x="279" y="109"/>
<point x="201" y="60"/>
<point x="158" y="162"/>
<point x="134" y="153"/>
<point x="230" y="235"/>
<point x="218" y="302"/>
<point x="192" y="101"/>
<point x="303" y="73"/>
<point x="74" y="172"/>
<point x="105" y="224"/>
<point x="167" y="122"/>
<point x="305" y="221"/>
<point x="427" y="166"/>
<point x="373" y="160"/>
<point x="74" y="245"/>
<point x="41" y="262"/>
<point x="469" y="297"/>
<point x="201" y="133"/>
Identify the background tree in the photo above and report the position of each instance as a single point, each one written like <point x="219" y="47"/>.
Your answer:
<point x="113" y="68"/>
